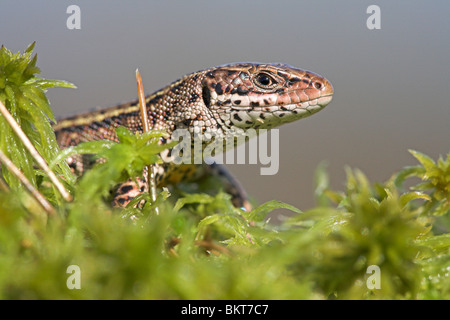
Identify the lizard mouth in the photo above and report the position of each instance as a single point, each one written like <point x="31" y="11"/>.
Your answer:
<point x="267" y="117"/>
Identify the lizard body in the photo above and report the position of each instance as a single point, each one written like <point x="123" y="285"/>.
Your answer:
<point x="222" y="101"/>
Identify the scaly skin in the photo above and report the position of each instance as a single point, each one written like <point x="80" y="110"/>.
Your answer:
<point x="222" y="101"/>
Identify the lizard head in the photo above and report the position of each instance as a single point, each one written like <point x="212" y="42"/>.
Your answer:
<point x="263" y="96"/>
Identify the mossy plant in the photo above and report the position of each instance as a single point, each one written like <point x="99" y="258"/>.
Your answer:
<point x="23" y="94"/>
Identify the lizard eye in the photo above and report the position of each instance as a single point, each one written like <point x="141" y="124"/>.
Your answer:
<point x="318" y="85"/>
<point x="264" y="80"/>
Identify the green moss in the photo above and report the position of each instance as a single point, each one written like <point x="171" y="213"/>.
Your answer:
<point x="23" y="93"/>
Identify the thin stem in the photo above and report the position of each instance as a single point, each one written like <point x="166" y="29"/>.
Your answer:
<point x="144" y="117"/>
<point x="34" y="192"/>
<point x="3" y="186"/>
<point x="34" y="153"/>
<point x="142" y="104"/>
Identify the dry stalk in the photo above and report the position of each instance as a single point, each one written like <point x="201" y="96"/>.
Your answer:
<point x="27" y="184"/>
<point x="151" y="182"/>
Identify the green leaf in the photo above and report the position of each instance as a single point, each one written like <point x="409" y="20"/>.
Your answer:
<point x="410" y="171"/>
<point x="10" y="95"/>
<point x="89" y="147"/>
<point x="423" y="186"/>
<point x="209" y="220"/>
<point x="30" y="48"/>
<point x="407" y="197"/>
<point x="322" y="183"/>
<point x="260" y="212"/>
<point x="425" y="160"/>
<point x="39" y="99"/>
<point x="45" y="84"/>
<point x="193" y="198"/>
<point x="439" y="243"/>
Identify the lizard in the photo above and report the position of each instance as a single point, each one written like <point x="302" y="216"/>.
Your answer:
<point x="226" y="101"/>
